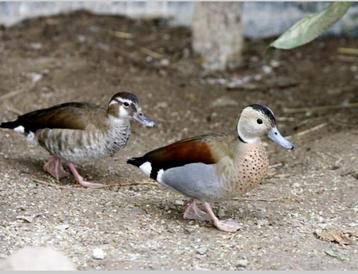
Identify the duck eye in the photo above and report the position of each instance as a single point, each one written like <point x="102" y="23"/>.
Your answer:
<point x="259" y="121"/>
<point x="126" y="104"/>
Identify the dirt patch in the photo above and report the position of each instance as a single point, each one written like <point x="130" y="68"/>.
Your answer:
<point x="83" y="57"/>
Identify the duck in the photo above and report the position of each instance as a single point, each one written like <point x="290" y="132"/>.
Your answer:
<point x="78" y="132"/>
<point x="216" y="167"/>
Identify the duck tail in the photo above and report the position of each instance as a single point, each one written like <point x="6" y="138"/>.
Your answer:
<point x="10" y="125"/>
<point x="136" y="161"/>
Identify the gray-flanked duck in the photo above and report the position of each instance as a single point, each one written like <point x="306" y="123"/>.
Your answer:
<point x="216" y="167"/>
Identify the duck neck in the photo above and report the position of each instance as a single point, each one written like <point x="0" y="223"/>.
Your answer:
<point x="116" y="123"/>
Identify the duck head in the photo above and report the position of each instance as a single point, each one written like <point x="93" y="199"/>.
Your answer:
<point x="258" y="120"/>
<point x="125" y="105"/>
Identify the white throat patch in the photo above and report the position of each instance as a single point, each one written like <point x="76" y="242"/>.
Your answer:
<point x="123" y="113"/>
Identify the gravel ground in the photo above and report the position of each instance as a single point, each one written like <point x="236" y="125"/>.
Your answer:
<point x="303" y="216"/>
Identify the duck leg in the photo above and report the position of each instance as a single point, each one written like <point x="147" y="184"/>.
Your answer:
<point x="192" y="212"/>
<point x="80" y="180"/>
<point x="55" y="168"/>
<point x="228" y="225"/>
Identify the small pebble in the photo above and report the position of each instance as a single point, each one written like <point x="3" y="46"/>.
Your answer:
<point x="81" y="38"/>
<point x="36" y="46"/>
<point x="35" y="77"/>
<point x="275" y="63"/>
<point x="149" y="59"/>
<point x="242" y="262"/>
<point x="262" y="222"/>
<point x="355" y="209"/>
<point x="179" y="202"/>
<point x="267" y="69"/>
<point x="202" y="250"/>
<point x="98" y="254"/>
<point x="62" y="227"/>
<point x="258" y="77"/>
<point x="164" y="62"/>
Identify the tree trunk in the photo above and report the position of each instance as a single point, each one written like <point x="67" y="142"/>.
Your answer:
<point x="217" y="34"/>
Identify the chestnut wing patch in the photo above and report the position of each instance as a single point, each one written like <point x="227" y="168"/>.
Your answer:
<point x="194" y="150"/>
<point x="66" y="116"/>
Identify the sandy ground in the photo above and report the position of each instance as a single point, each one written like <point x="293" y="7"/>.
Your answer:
<point x="139" y="225"/>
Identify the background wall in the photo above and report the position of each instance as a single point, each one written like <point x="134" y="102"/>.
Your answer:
<point x="259" y="19"/>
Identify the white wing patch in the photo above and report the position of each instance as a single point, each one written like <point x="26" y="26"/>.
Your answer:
<point x="20" y="129"/>
<point x="160" y="175"/>
<point x="146" y="168"/>
<point x="30" y="137"/>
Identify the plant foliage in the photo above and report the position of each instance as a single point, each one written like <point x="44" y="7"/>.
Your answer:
<point x="309" y="28"/>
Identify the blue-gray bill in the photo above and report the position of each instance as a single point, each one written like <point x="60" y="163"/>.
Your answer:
<point x="276" y="136"/>
<point x="145" y="121"/>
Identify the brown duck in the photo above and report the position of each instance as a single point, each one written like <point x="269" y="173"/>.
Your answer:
<point x="80" y="132"/>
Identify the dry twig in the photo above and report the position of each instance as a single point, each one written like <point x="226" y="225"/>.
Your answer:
<point x="122" y="35"/>
<point x="151" y="53"/>
<point x="304" y="132"/>
<point x="12" y="94"/>
<point x="348" y="51"/>
<point x="47" y="183"/>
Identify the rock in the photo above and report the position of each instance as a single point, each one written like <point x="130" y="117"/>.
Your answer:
<point x="37" y="258"/>
<point x="98" y="254"/>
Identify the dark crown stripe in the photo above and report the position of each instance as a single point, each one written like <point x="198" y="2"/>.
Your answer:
<point x="126" y="95"/>
<point x="265" y="110"/>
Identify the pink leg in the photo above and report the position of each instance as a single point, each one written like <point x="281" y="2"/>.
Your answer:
<point x="80" y="180"/>
<point x="192" y="212"/>
<point x="55" y="168"/>
<point x="225" y="225"/>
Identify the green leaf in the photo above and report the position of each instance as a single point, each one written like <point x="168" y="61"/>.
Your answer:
<point x="309" y="28"/>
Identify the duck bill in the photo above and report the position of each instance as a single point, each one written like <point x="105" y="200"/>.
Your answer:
<point x="143" y="120"/>
<point x="276" y="136"/>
